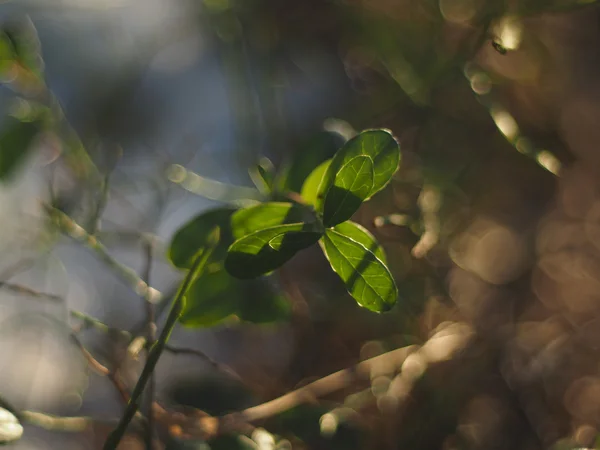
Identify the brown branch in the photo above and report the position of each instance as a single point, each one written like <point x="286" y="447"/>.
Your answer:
<point x="392" y="361"/>
<point x="64" y="424"/>
<point x="24" y="290"/>
<point x="200" y="354"/>
<point x="101" y="369"/>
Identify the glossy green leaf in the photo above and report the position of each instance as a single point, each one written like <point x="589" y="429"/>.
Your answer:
<point x="265" y="250"/>
<point x="16" y="138"/>
<point x="367" y="279"/>
<point x="360" y="169"/>
<point x="10" y="428"/>
<point x="193" y="236"/>
<point x="249" y="220"/>
<point x="310" y="188"/>
<point x="363" y="236"/>
<point x="351" y="186"/>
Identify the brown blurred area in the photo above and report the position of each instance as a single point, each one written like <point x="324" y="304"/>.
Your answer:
<point x="491" y="226"/>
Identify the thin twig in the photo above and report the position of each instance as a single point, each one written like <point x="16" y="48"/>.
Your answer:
<point x="20" y="289"/>
<point x="92" y="322"/>
<point x="100" y="205"/>
<point x="115" y="437"/>
<point x="101" y="369"/>
<point x="324" y="386"/>
<point x="200" y="354"/>
<point x="94" y="364"/>
<point x="151" y="338"/>
<point x="69" y="227"/>
<point x="64" y="424"/>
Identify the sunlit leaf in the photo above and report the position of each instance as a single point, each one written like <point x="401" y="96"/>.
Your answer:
<point x="248" y="220"/>
<point x="362" y="236"/>
<point x="193" y="236"/>
<point x="310" y="188"/>
<point x="351" y="186"/>
<point x="266" y="250"/>
<point x="10" y="428"/>
<point x="360" y="169"/>
<point x="367" y="279"/>
<point x="16" y="138"/>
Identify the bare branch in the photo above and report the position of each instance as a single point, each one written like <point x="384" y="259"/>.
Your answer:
<point x="128" y="275"/>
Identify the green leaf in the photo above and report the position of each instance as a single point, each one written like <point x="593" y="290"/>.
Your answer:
<point x="263" y="175"/>
<point x="362" y="236"/>
<point x="194" y="235"/>
<point x="262" y="302"/>
<point x="367" y="279"/>
<point x="309" y="154"/>
<point x="351" y="186"/>
<point x="211" y="299"/>
<point x="266" y="250"/>
<point x="310" y="188"/>
<point x="10" y="428"/>
<point x="249" y="220"/>
<point x="216" y="295"/>
<point x="16" y="140"/>
<point x="360" y="169"/>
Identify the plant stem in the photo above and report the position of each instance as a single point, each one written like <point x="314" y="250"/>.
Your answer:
<point x="69" y="227"/>
<point x="157" y="349"/>
<point x="151" y="338"/>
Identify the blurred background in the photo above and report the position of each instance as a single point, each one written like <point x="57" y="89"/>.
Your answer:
<point x="139" y="115"/>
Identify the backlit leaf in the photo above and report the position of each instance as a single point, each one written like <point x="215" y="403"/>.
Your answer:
<point x="265" y="250"/>
<point x="367" y="279"/>
<point x="310" y="188"/>
<point x="351" y="186"/>
<point x="362" y="236"/>
<point x="248" y="220"/>
<point x="360" y="169"/>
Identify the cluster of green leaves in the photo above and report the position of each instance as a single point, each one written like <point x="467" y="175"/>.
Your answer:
<point x="259" y="239"/>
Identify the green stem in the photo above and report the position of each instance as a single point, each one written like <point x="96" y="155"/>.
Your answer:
<point x="92" y="322"/>
<point x="115" y="437"/>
